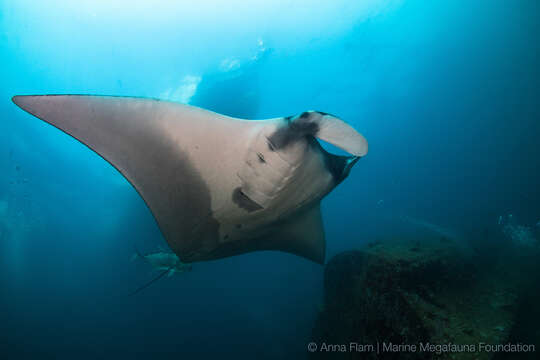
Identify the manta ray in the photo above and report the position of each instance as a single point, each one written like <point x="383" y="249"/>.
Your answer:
<point x="217" y="186"/>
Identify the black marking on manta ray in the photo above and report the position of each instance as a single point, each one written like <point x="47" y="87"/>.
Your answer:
<point x="271" y="146"/>
<point x="304" y="126"/>
<point x="304" y="115"/>
<point x="261" y="158"/>
<point x="282" y="137"/>
<point x="292" y="131"/>
<point x="243" y="201"/>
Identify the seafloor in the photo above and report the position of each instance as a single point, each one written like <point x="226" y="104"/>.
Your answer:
<point x="460" y="299"/>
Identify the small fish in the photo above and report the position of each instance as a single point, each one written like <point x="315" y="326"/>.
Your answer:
<point x="162" y="260"/>
<point x="165" y="262"/>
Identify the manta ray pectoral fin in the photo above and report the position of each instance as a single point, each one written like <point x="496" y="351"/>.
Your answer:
<point x="140" y="138"/>
<point x="303" y="235"/>
<point x="331" y="129"/>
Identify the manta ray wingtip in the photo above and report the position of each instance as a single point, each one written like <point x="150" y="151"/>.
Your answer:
<point x="21" y="100"/>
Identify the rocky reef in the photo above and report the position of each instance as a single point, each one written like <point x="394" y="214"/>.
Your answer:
<point x="418" y="300"/>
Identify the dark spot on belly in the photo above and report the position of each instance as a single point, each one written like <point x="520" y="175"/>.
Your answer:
<point x="304" y="115"/>
<point x="243" y="201"/>
<point x="238" y="226"/>
<point x="261" y="157"/>
<point x="226" y="236"/>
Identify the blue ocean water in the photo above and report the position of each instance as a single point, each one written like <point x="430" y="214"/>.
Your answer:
<point x="446" y="92"/>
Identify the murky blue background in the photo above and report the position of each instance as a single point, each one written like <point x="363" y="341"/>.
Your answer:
<point x="446" y="92"/>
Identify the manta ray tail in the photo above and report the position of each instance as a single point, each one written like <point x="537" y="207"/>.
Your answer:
<point x="139" y="289"/>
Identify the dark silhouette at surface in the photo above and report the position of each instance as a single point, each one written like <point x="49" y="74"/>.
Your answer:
<point x="234" y="89"/>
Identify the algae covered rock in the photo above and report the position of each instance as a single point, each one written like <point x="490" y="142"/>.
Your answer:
<point x="412" y="300"/>
<point x="363" y="303"/>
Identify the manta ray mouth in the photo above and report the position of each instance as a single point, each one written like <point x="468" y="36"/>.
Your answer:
<point x="351" y="161"/>
<point x="340" y="166"/>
